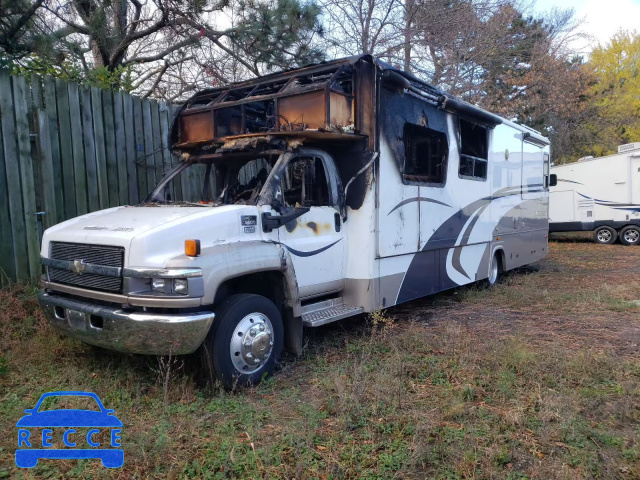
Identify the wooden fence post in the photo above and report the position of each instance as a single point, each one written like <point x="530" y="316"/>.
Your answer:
<point x="26" y="176"/>
<point x="69" y="149"/>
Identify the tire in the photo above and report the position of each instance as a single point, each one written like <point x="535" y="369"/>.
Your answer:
<point x="245" y="341"/>
<point x="605" y="235"/>
<point x="495" y="270"/>
<point x="630" y="235"/>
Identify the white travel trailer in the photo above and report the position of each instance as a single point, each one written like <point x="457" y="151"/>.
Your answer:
<point x="301" y="198"/>
<point x="600" y="195"/>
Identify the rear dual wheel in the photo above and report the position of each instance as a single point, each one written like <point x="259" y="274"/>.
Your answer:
<point x="495" y="269"/>
<point x="245" y="340"/>
<point x="630" y="235"/>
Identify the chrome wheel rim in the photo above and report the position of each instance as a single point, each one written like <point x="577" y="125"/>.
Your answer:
<point x="251" y="343"/>
<point x="604" y="236"/>
<point x="632" y="235"/>
<point x="493" y="274"/>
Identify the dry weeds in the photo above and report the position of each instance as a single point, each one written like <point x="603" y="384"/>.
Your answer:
<point x="537" y="378"/>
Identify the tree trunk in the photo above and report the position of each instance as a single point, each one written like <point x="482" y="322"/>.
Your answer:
<point x="407" y="35"/>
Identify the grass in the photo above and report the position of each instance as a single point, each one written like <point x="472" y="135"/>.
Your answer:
<point x="537" y="378"/>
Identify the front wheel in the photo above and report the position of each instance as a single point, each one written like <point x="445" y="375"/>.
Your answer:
<point x="245" y="340"/>
<point x="605" y="235"/>
<point x="630" y="235"/>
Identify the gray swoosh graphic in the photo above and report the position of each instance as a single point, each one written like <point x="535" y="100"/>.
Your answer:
<point x="416" y="199"/>
<point x="455" y="260"/>
<point x="569" y="181"/>
<point x="298" y="253"/>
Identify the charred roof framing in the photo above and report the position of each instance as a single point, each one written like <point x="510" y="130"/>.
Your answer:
<point x="335" y="100"/>
<point x="327" y="98"/>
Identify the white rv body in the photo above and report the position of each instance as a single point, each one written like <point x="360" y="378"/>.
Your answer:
<point x="600" y="195"/>
<point x="423" y="194"/>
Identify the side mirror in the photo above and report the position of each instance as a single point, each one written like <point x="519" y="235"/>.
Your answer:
<point x="271" y="222"/>
<point x="553" y="180"/>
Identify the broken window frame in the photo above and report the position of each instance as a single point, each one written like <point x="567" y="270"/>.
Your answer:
<point x="473" y="160"/>
<point x="272" y="193"/>
<point x="421" y="179"/>
<point x="321" y="183"/>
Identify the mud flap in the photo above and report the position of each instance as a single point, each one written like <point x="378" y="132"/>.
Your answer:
<point x="292" y="333"/>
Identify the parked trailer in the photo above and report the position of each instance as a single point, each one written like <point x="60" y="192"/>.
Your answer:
<point x="301" y="198"/>
<point x="600" y="195"/>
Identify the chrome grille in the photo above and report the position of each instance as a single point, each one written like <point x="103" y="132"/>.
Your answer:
<point x="86" y="280"/>
<point x="94" y="254"/>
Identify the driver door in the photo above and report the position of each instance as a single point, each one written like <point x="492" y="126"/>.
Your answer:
<point x="315" y="240"/>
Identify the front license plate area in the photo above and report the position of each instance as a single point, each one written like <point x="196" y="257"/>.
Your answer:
<point x="77" y="320"/>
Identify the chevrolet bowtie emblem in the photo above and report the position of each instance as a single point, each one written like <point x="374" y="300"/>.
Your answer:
<point x="78" y="266"/>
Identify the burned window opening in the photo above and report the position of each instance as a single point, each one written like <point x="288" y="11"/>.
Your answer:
<point x="305" y="183"/>
<point x="474" y="148"/>
<point x="214" y="182"/>
<point x="426" y="153"/>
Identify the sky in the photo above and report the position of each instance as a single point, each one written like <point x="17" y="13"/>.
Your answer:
<point x="603" y="18"/>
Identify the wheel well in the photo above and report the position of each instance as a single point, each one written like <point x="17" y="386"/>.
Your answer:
<point x="272" y="285"/>
<point x="501" y="258"/>
<point x="268" y="284"/>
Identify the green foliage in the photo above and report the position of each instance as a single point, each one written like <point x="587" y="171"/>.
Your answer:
<point x="616" y="92"/>
<point x="278" y="33"/>
<point x="101" y="77"/>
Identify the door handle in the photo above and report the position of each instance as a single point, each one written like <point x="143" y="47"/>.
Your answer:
<point x="336" y="217"/>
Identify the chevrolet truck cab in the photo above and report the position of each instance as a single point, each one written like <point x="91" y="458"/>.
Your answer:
<point x="298" y="199"/>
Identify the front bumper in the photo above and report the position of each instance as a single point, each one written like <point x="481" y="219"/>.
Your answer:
<point x="132" y="332"/>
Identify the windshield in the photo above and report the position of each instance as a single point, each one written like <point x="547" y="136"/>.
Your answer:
<point x="222" y="181"/>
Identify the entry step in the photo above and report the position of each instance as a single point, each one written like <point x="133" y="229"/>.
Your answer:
<point x="329" y="314"/>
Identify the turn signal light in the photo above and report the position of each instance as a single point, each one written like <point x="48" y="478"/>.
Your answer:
<point x="192" y="248"/>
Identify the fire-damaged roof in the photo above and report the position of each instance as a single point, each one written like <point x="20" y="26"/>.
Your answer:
<point x="334" y="100"/>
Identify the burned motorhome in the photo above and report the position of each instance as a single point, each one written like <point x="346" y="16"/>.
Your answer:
<point x="301" y="198"/>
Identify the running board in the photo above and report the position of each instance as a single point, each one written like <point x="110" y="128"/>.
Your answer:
<point x="330" y="314"/>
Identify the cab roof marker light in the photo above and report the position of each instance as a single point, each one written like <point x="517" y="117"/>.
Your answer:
<point x="192" y="248"/>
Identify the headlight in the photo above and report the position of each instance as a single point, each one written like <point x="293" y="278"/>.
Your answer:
<point x="167" y="285"/>
<point x="181" y="286"/>
<point x="164" y="282"/>
<point x="158" y="285"/>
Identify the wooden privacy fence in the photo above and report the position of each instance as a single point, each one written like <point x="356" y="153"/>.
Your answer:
<point x="66" y="150"/>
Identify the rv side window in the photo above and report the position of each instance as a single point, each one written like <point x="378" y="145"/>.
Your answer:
<point x="474" y="149"/>
<point x="305" y="183"/>
<point x="426" y="153"/>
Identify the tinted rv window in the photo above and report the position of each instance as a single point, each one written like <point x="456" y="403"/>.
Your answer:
<point x="425" y="154"/>
<point x="474" y="149"/>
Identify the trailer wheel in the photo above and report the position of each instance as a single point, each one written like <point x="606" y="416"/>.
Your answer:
<point x="494" y="271"/>
<point x="245" y="341"/>
<point x="630" y="235"/>
<point x="605" y="235"/>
